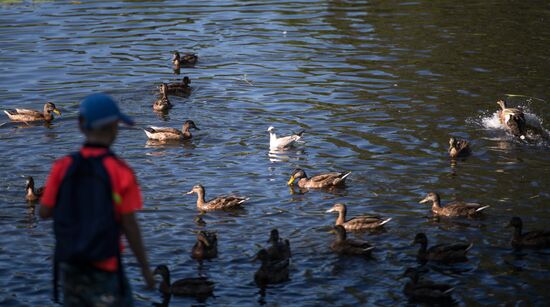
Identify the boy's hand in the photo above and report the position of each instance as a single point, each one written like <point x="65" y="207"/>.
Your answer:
<point x="149" y="279"/>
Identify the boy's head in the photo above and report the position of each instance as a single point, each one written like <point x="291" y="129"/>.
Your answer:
<point x="98" y="119"/>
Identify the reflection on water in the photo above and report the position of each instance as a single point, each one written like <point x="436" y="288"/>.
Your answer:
<point x="379" y="86"/>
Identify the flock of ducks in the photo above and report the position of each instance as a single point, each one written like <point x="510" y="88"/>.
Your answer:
<point x="275" y="258"/>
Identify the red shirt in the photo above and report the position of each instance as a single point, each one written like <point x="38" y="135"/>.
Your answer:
<point x="126" y="192"/>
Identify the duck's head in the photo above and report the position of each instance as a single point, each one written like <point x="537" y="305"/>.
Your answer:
<point x="453" y="142"/>
<point x="50" y="107"/>
<point x="337" y="208"/>
<point x="262" y="255"/>
<point x="516" y="123"/>
<point x="190" y="124"/>
<point x="175" y="56"/>
<point x="163" y="88"/>
<point x="273" y="236"/>
<point x="420" y="238"/>
<point x="196" y="189"/>
<point x="206" y="238"/>
<point x="271" y="129"/>
<point x="162" y="270"/>
<point x="29" y="183"/>
<point x="431" y="197"/>
<point x="186" y="80"/>
<point x="515" y="222"/>
<point x="340" y="232"/>
<point x="296" y="174"/>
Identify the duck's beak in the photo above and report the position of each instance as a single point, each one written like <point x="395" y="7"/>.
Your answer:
<point x="425" y="200"/>
<point x="330" y="210"/>
<point x="196" y="128"/>
<point x="291" y="180"/>
<point x="190" y="192"/>
<point x="56" y="111"/>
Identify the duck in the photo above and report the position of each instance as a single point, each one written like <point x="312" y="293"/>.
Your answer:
<point x="188" y="60"/>
<point x="171" y="134"/>
<point x="284" y="142"/>
<point x="179" y="88"/>
<point x="162" y="103"/>
<point x="513" y="119"/>
<point x="206" y="246"/>
<point x="453" y="209"/>
<point x="458" y="148"/>
<point x="444" y="253"/>
<point x="193" y="286"/>
<point x="27" y="115"/>
<point x="425" y="290"/>
<point x="358" y="223"/>
<point x="32" y="194"/>
<point x="224" y="202"/>
<point x="279" y="248"/>
<point x="271" y="271"/>
<point x="320" y="181"/>
<point x="533" y="239"/>
<point x="343" y="245"/>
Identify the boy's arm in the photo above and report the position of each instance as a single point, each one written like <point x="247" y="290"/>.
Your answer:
<point x="131" y="230"/>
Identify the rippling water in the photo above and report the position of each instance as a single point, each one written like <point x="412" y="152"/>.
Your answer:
<point x="378" y="86"/>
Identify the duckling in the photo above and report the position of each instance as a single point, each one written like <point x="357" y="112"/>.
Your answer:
<point x="358" y="223"/>
<point x="284" y="142"/>
<point x="162" y="103"/>
<point x="206" y="246"/>
<point x="531" y="239"/>
<point x="445" y="253"/>
<point x="197" y="286"/>
<point x="179" y="88"/>
<point x="32" y="194"/>
<point x="188" y="60"/>
<point x="280" y="248"/>
<point x="345" y="246"/>
<point x="458" y="148"/>
<point x="171" y="134"/>
<point x="425" y="290"/>
<point x="513" y="119"/>
<point x="320" y="181"/>
<point x="453" y="209"/>
<point x="271" y="271"/>
<point x="224" y="202"/>
<point x="26" y="115"/>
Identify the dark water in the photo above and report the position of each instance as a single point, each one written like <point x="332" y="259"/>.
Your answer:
<point x="378" y="86"/>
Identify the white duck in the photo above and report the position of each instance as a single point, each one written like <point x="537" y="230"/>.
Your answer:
<point x="283" y="142"/>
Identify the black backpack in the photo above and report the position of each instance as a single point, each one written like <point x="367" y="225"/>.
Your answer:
<point x="84" y="216"/>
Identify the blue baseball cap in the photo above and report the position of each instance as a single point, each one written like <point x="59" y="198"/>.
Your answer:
<point x="100" y="109"/>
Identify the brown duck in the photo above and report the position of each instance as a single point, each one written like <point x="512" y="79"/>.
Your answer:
<point x="196" y="287"/>
<point x="206" y="246"/>
<point x="513" y="119"/>
<point x="187" y="60"/>
<point x="320" y="181"/>
<point x="445" y="253"/>
<point x="453" y="209"/>
<point x="532" y="239"/>
<point x="279" y="248"/>
<point x="343" y="245"/>
<point x="218" y="203"/>
<point x="271" y="271"/>
<point x="358" y="223"/>
<point x="182" y="88"/>
<point x="171" y="134"/>
<point x="458" y="148"/>
<point x="162" y="103"/>
<point x="32" y="194"/>
<point x="425" y="290"/>
<point x="26" y="115"/>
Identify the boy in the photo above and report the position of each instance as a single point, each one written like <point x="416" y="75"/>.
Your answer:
<point x="99" y="281"/>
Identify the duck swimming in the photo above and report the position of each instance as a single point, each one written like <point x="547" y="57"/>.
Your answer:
<point x="513" y="119"/>
<point x="182" y="88"/>
<point x="32" y="194"/>
<point x="171" y="134"/>
<point x="279" y="248"/>
<point x="445" y="253"/>
<point x="532" y="239"/>
<point x="27" y="115"/>
<point x="343" y="245"/>
<point x="206" y="246"/>
<point x="162" y="103"/>
<point x="271" y="271"/>
<point x="187" y="60"/>
<point x="358" y="223"/>
<point x="225" y="202"/>
<point x="320" y="181"/>
<point x="453" y="209"/>
<point x="284" y="142"/>
<point x="458" y="148"/>
<point x="195" y="286"/>
<point x="425" y="290"/>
